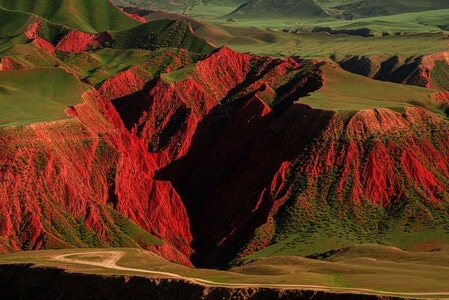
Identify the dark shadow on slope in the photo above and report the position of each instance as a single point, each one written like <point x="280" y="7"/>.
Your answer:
<point x="393" y="70"/>
<point x="130" y="107"/>
<point x="225" y="178"/>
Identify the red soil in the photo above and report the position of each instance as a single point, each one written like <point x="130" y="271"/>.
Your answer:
<point x="134" y="16"/>
<point x="10" y="64"/>
<point x="33" y="31"/>
<point x="124" y="83"/>
<point x="44" y="45"/>
<point x="207" y="162"/>
<point x="83" y="166"/>
<point x="228" y="164"/>
<point x="77" y="41"/>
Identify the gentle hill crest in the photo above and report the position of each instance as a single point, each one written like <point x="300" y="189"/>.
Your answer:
<point x="83" y="15"/>
<point x="284" y="9"/>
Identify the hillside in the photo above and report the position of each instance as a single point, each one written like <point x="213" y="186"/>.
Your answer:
<point x="25" y="100"/>
<point x="119" y="133"/>
<point x="163" y="33"/>
<point x="277" y="195"/>
<point x="286" y="9"/>
<point x="76" y="14"/>
<point x="360" y="8"/>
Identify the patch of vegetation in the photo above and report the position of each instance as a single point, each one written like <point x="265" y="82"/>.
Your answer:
<point x="344" y="91"/>
<point x="87" y="235"/>
<point x="134" y="232"/>
<point x="83" y="15"/>
<point x="161" y="34"/>
<point x="440" y="75"/>
<point x="31" y="96"/>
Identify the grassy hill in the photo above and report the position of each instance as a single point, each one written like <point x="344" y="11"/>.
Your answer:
<point x="344" y="91"/>
<point x="403" y="23"/>
<point x="162" y="33"/>
<point x="280" y="9"/>
<point x="83" y="15"/>
<point x="361" y="8"/>
<point x="31" y="96"/>
<point x="13" y="22"/>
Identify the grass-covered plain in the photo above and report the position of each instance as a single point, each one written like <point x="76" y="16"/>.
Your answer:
<point x="31" y="96"/>
<point x="381" y="269"/>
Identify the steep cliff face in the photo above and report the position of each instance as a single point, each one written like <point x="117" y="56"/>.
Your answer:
<point x="243" y="157"/>
<point x="77" y="41"/>
<point x="371" y="171"/>
<point x="166" y="113"/>
<point x="214" y="154"/>
<point x="226" y="108"/>
<point x="61" y="176"/>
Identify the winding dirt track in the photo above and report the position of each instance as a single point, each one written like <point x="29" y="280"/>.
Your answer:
<point x="112" y="257"/>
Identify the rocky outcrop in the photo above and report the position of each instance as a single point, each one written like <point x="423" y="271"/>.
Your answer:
<point x="77" y="41"/>
<point x="61" y="175"/>
<point x="233" y="108"/>
<point x="217" y="158"/>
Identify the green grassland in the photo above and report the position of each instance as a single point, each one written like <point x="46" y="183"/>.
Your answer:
<point x="323" y="45"/>
<point x="280" y="9"/>
<point x="386" y="270"/>
<point x="360" y="8"/>
<point x="403" y="23"/>
<point x="13" y="22"/>
<point x="94" y="67"/>
<point x="344" y="91"/>
<point x="36" y="93"/>
<point x="76" y="14"/>
<point x="379" y="17"/>
<point x="159" y="34"/>
<point x="266" y="37"/>
<point x="32" y="96"/>
<point x="369" y="266"/>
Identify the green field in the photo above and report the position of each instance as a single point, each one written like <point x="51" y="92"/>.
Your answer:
<point x="403" y="23"/>
<point x="38" y="95"/>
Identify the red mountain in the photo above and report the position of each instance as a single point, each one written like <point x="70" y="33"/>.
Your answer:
<point x="205" y="155"/>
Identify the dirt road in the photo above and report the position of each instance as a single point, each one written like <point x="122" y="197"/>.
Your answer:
<point x="110" y="259"/>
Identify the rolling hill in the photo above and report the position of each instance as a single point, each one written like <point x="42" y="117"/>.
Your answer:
<point x="285" y="9"/>
<point x="76" y="14"/>
<point x="363" y="8"/>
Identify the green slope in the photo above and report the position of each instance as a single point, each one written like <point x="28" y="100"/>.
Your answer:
<point x="159" y="34"/>
<point x="83" y="15"/>
<point x="344" y="91"/>
<point x="362" y="8"/>
<point x="280" y="9"/>
<point x="32" y="96"/>
<point x="13" y="22"/>
<point x="412" y="22"/>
